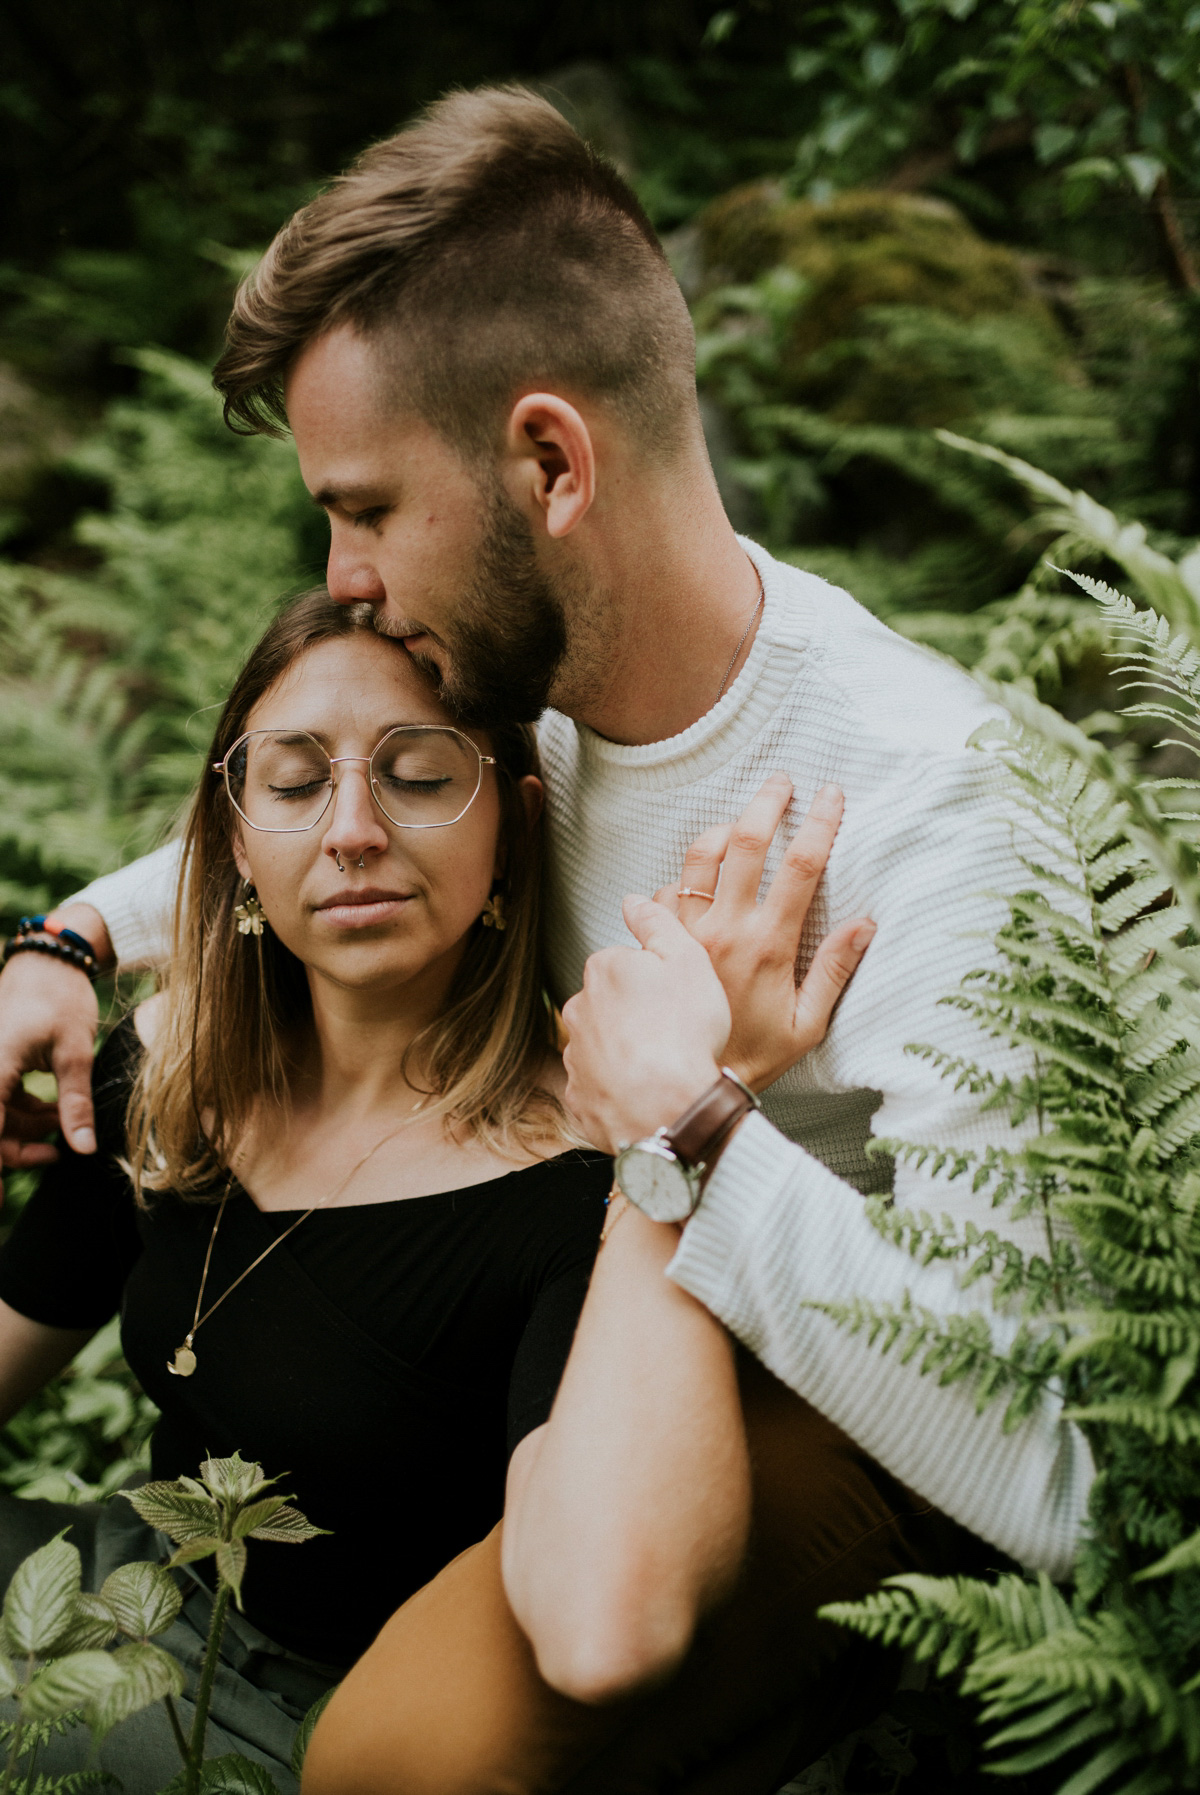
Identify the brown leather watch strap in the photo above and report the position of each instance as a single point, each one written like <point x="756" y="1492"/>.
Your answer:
<point x="703" y="1126"/>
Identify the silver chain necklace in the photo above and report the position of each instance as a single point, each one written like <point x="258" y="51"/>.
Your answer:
<point x="758" y="605"/>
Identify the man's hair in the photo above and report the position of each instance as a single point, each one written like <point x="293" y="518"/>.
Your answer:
<point x="488" y="250"/>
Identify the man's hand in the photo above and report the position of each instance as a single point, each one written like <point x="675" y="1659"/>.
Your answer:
<point x="753" y="946"/>
<point x="646" y="1032"/>
<point x="48" y="1021"/>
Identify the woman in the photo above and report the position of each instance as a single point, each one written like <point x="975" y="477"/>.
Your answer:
<point x="350" y="1233"/>
<point x="362" y="1231"/>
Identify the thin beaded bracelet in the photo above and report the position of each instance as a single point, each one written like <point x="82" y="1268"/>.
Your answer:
<point x="35" y="936"/>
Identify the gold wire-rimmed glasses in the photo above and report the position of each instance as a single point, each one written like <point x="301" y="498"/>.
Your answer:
<point x="421" y="775"/>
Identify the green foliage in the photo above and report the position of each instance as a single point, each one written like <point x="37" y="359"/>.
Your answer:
<point x="110" y="675"/>
<point x="1098" y="983"/>
<point x="214" y="1517"/>
<point x="54" y="1665"/>
<point x="1098" y="95"/>
<point x="69" y="1655"/>
<point x="831" y="338"/>
<point x="85" y="1434"/>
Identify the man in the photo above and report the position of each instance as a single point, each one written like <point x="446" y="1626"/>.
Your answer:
<point x="487" y="368"/>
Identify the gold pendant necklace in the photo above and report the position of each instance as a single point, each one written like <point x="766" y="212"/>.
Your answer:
<point x="184" y="1362"/>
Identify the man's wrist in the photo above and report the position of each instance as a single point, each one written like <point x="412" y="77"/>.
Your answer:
<point x="671" y="1094"/>
<point x="87" y="921"/>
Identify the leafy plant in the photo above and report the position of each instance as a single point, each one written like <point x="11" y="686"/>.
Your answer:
<point x="1098" y="984"/>
<point x="847" y="350"/>
<point x="213" y="1517"/>
<point x="54" y="1663"/>
<point x="107" y="674"/>
<point x="85" y="1434"/>
<point x="71" y="1656"/>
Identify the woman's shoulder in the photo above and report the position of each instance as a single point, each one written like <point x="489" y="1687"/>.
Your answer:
<point x="113" y="1076"/>
<point x="119" y="1057"/>
<point x="148" y="1019"/>
<point x="565" y="1191"/>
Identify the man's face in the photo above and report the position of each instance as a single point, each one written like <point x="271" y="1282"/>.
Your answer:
<point x="443" y="553"/>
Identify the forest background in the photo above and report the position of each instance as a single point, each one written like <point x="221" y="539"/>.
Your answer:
<point x="892" y="218"/>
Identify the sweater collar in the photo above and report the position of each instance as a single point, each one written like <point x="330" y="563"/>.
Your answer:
<point x="769" y="670"/>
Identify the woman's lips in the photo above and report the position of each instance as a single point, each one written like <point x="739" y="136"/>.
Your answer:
<point x="360" y="909"/>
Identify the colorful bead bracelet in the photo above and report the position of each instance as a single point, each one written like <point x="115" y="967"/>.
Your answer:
<point x="36" y="936"/>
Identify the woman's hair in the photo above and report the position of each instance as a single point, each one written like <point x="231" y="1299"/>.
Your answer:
<point x="238" y="1005"/>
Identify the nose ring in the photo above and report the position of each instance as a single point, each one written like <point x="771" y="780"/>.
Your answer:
<point x="362" y="862"/>
<point x="338" y="858"/>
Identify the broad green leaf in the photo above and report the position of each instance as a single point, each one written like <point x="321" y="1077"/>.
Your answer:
<point x="306" y="1729"/>
<point x="174" y="1512"/>
<point x="144" y="1598"/>
<point x="233" y="1479"/>
<point x="193" y="1549"/>
<point x="230" y="1775"/>
<point x="256" y="1514"/>
<point x="92" y="1626"/>
<point x="287" y="1526"/>
<point x="40" y="1601"/>
<point x="146" y="1674"/>
<point x="231" y="1565"/>
<point x="8" y="1677"/>
<point x="75" y="1681"/>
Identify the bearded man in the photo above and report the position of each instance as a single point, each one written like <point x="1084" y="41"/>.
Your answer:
<point x="488" y="370"/>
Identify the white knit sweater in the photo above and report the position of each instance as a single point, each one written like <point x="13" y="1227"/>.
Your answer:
<point x="929" y="839"/>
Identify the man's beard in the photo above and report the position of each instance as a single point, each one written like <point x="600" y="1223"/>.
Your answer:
<point x="509" y="634"/>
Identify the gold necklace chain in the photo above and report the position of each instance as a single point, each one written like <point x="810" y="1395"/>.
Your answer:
<point x="759" y="602"/>
<point x="184" y="1362"/>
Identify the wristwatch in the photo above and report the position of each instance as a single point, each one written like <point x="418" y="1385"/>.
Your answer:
<point x="662" y="1174"/>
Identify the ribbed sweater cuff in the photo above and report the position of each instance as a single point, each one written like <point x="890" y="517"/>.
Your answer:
<point x="138" y="906"/>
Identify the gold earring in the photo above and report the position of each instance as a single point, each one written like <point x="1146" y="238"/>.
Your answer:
<point x="492" y="916"/>
<point x="250" y="914"/>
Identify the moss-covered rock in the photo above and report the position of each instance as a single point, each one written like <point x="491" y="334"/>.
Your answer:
<point x="863" y="249"/>
<point x="905" y="314"/>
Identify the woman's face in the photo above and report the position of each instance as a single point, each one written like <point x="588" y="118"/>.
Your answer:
<point x="405" y="913"/>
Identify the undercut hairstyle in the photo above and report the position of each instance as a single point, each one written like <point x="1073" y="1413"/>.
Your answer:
<point x="485" y="250"/>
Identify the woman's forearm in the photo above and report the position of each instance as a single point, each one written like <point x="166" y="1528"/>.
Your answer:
<point x="627" y="1513"/>
<point x="30" y="1355"/>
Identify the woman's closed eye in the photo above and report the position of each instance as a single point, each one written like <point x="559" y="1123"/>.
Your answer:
<point x="396" y="783"/>
<point x="301" y="789"/>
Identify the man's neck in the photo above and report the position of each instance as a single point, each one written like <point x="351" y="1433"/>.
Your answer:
<point x="679" y="619"/>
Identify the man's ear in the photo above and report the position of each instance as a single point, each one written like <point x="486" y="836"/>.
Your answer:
<point x="553" y="459"/>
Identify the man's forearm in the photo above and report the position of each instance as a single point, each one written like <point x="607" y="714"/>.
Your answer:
<point x="775" y="1235"/>
<point x="629" y="1515"/>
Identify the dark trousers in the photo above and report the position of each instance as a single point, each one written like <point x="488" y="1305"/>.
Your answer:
<point x="448" y="1701"/>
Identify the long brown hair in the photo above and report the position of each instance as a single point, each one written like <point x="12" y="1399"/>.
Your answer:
<point x="236" y="1004"/>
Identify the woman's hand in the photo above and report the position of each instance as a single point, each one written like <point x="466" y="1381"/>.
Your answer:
<point x="753" y="946"/>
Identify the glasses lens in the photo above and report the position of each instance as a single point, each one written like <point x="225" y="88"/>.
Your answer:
<point x="425" y="777"/>
<point x="280" y="780"/>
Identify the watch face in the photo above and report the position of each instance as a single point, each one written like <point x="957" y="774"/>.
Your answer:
<point x="655" y="1182"/>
